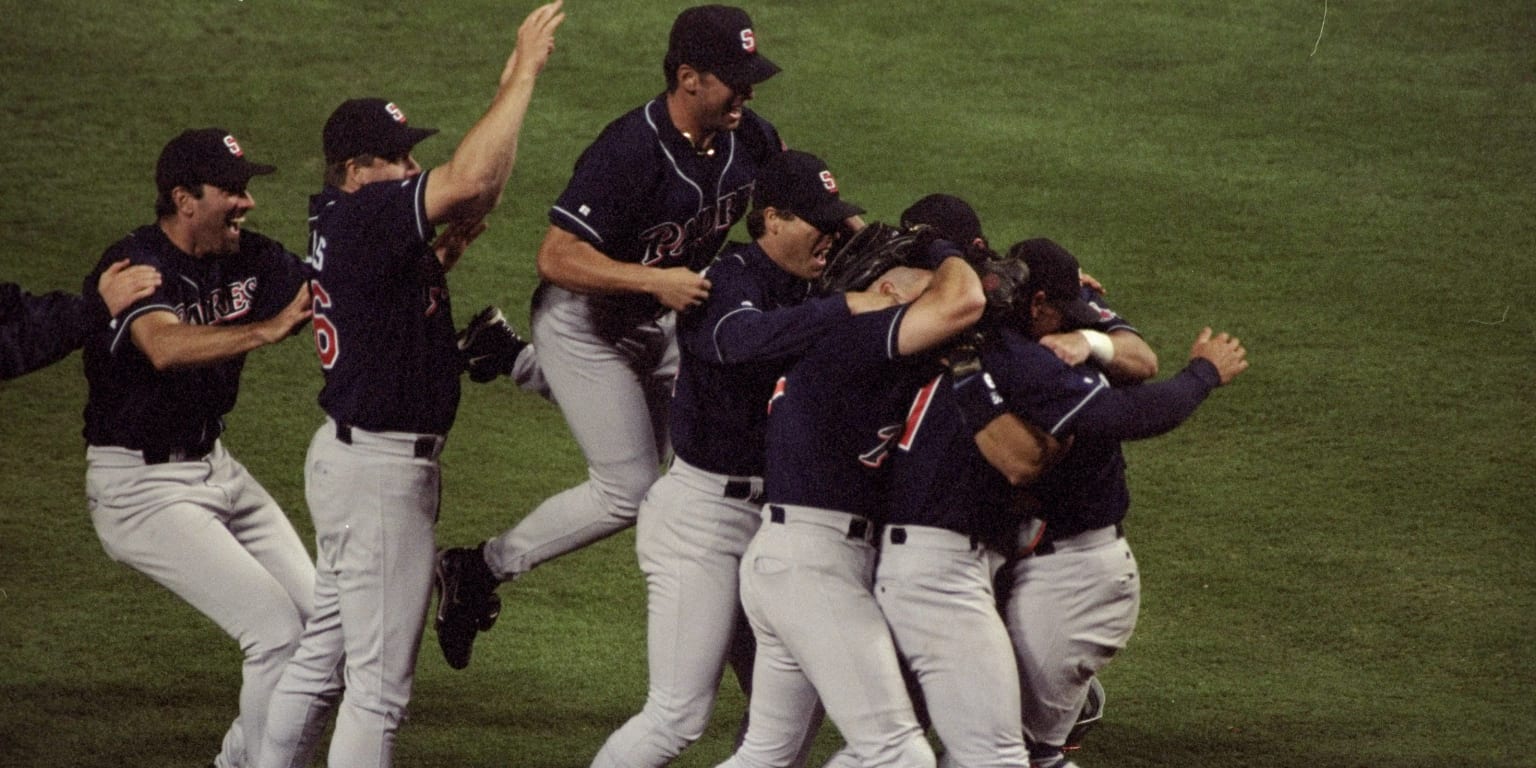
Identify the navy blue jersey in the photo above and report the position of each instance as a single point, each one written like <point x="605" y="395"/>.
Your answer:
<point x="132" y="405"/>
<point x="1109" y="320"/>
<point x="939" y="477"/>
<point x="641" y="194"/>
<point x="36" y="331"/>
<point x="837" y="415"/>
<point x="757" y="322"/>
<point x="383" y="322"/>
<point x="1087" y="489"/>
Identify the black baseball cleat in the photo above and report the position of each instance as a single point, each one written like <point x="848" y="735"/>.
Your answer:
<point x="467" y="602"/>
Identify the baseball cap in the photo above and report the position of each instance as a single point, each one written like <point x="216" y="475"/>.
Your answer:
<point x="719" y="39"/>
<point x="950" y="216"/>
<point x="800" y="183"/>
<point x="1055" y="270"/>
<point x="369" y="127"/>
<point x="205" y="156"/>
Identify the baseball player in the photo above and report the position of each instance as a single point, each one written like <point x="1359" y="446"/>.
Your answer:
<point x="648" y="206"/>
<point x="1076" y="589"/>
<point x="385" y="338"/>
<point x="944" y="541"/>
<point x="37" y="331"/>
<point x="697" y="519"/>
<point x="807" y="573"/>
<point x="165" y="496"/>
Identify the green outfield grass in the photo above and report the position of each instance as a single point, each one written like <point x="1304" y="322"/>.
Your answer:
<point x="1339" y="551"/>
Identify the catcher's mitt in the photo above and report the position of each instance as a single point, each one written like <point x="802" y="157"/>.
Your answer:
<point x="489" y="346"/>
<point x="863" y="256"/>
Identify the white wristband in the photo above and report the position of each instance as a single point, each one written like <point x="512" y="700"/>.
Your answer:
<point x="1100" y="347"/>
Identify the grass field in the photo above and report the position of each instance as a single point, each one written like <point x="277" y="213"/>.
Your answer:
<point x="1339" y="551"/>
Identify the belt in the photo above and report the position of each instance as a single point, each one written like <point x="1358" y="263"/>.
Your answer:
<point x="741" y="488"/>
<point x="852" y="526"/>
<point x="422" y="446"/>
<point x="930" y="537"/>
<point x="1089" y="539"/>
<point x="748" y="489"/>
<point x="171" y="455"/>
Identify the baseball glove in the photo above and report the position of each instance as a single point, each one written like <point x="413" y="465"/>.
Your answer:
<point x="489" y="346"/>
<point x="863" y="256"/>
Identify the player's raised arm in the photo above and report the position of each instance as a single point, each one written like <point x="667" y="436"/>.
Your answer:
<point x="470" y="184"/>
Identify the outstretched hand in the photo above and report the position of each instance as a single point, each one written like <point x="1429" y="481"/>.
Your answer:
<point x="1223" y="351"/>
<point x="287" y="322"/>
<point x="535" y="42"/>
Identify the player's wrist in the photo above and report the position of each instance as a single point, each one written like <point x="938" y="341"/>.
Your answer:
<point x="1101" y="348"/>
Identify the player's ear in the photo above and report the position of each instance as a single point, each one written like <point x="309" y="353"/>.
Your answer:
<point x="183" y="198"/>
<point x="688" y="78"/>
<point x="354" y="171"/>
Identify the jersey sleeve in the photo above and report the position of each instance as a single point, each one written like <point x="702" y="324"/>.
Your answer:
<point x="602" y="200"/>
<point x="279" y="274"/>
<point x="394" y="211"/>
<point x="162" y="300"/>
<point x="36" y="331"/>
<point x="1038" y="386"/>
<point x="1109" y="319"/>
<point x="737" y="328"/>
<point x="1148" y="410"/>
<point x="861" y="340"/>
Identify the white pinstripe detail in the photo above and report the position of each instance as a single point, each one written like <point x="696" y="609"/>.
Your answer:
<point x="122" y="325"/>
<point x="891" y="333"/>
<point x="578" y="222"/>
<point x="419" y="206"/>
<point x="1102" y="385"/>
<point x="652" y="123"/>
<point x="715" y="334"/>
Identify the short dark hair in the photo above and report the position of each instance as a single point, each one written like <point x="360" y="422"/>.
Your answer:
<point x="336" y="173"/>
<point x="165" y="201"/>
<point x="757" y="226"/>
<point x="669" y="66"/>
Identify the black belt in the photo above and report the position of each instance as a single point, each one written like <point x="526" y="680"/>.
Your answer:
<point x="858" y="527"/>
<point x="169" y="455"/>
<point x="742" y="489"/>
<point x="426" y="445"/>
<point x="1047" y="546"/>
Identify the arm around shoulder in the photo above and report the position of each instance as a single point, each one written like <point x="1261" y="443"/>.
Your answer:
<point x="953" y="302"/>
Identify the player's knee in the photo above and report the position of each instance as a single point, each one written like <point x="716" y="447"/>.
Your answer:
<point x="621" y="498"/>
<point x="679" y="727"/>
<point x="274" y="638"/>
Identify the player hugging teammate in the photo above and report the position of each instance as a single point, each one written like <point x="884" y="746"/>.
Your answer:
<point x="867" y="429"/>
